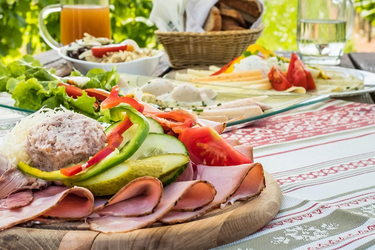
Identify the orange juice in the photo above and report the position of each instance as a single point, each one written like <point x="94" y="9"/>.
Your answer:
<point x="79" y="19"/>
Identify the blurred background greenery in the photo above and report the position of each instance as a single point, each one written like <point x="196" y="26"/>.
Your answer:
<point x="19" y="32"/>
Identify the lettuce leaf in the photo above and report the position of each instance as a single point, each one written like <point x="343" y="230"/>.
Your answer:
<point x="100" y="78"/>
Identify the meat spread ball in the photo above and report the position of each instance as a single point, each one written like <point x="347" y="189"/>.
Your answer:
<point x="63" y="139"/>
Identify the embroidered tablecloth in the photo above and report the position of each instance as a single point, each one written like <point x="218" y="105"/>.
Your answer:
<point x="323" y="157"/>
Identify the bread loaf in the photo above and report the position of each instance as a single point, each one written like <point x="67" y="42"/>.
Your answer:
<point x="228" y="12"/>
<point x="213" y="21"/>
<point x="249" y="9"/>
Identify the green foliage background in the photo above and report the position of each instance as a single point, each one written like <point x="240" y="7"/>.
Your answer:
<point x="19" y="32"/>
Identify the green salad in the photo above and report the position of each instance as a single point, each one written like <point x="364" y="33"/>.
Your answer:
<point x="33" y="87"/>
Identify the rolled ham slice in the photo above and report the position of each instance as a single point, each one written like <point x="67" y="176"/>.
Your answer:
<point x="246" y="150"/>
<point x="59" y="202"/>
<point x="188" y="174"/>
<point x="197" y="195"/>
<point x="227" y="181"/>
<point x="139" y="197"/>
<point x="217" y="126"/>
<point x="241" y="103"/>
<point x="233" y="113"/>
<point x="13" y="180"/>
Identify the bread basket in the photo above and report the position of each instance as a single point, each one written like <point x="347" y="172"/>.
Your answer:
<point x="186" y="49"/>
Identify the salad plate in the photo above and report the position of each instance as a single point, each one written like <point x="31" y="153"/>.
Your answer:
<point x="368" y="79"/>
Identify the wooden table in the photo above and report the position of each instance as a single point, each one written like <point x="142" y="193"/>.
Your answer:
<point x="361" y="61"/>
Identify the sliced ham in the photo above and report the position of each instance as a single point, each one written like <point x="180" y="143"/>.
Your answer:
<point x="59" y="202"/>
<point x="233" y="142"/>
<point x="233" y="113"/>
<point x="188" y="174"/>
<point x="217" y="118"/>
<point x="246" y="150"/>
<point x="217" y="126"/>
<point x="251" y="186"/>
<point x="139" y="197"/>
<point x="226" y="180"/>
<point x="14" y="180"/>
<point x="241" y="103"/>
<point x="19" y="199"/>
<point x="172" y="194"/>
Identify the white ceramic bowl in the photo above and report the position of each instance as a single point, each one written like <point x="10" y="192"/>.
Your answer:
<point x="143" y="66"/>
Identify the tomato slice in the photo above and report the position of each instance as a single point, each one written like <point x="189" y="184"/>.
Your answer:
<point x="310" y="81"/>
<point x="103" y="50"/>
<point x="298" y="75"/>
<point x="205" y="146"/>
<point x="296" y="72"/>
<point x="278" y="80"/>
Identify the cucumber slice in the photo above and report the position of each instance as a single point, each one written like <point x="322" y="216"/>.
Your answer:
<point x="159" y="144"/>
<point x="155" y="127"/>
<point x="112" y="180"/>
<point x="170" y="177"/>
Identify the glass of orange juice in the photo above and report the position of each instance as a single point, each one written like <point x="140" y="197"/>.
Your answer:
<point x="76" y="18"/>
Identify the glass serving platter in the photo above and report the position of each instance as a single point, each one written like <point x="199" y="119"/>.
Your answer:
<point x="280" y="102"/>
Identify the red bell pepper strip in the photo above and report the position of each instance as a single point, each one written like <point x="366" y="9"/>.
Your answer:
<point x="176" y="121"/>
<point x="113" y="100"/>
<point x="224" y="68"/>
<point x="75" y="92"/>
<point x="71" y="90"/>
<point x="99" y="94"/>
<point x="103" y="50"/>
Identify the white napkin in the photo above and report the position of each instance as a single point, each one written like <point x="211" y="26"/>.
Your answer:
<point x="168" y="15"/>
<point x="196" y="14"/>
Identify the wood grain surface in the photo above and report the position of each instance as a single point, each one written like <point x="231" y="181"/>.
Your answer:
<point x="219" y="227"/>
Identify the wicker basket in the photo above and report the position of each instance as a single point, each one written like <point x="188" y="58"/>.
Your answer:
<point x="186" y="49"/>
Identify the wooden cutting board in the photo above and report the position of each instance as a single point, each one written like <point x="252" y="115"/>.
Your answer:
<point x="216" y="228"/>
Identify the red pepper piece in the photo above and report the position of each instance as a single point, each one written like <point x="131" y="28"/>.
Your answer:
<point x="113" y="100"/>
<point x="99" y="94"/>
<point x="101" y="51"/>
<point x="224" y="68"/>
<point x="173" y="120"/>
<point x="71" y="90"/>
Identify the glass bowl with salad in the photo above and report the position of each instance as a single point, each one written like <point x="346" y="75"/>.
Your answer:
<point x="98" y="52"/>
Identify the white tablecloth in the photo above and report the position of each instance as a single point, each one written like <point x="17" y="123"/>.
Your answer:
<point x="323" y="157"/>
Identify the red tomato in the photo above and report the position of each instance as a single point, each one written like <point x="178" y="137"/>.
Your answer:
<point x="101" y="51"/>
<point x="298" y="75"/>
<point x="205" y="146"/>
<point x="310" y="81"/>
<point x="278" y="80"/>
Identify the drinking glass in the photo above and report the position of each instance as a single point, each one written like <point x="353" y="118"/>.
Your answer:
<point x="323" y="27"/>
<point x="76" y="18"/>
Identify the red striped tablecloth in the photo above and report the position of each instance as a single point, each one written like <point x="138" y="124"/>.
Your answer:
<point x="323" y="157"/>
